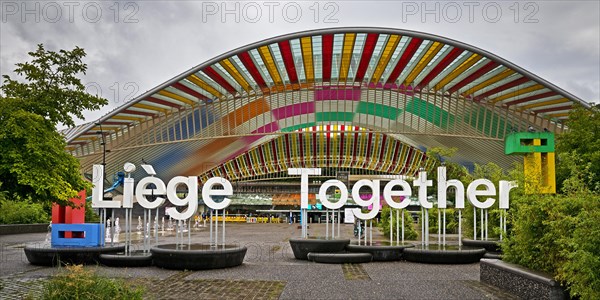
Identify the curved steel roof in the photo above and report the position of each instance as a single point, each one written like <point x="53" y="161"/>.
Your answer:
<point x="381" y="58"/>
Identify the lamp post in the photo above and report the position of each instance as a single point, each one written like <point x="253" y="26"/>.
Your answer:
<point x="103" y="143"/>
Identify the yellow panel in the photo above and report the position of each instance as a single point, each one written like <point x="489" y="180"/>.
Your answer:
<point x="349" y="39"/>
<point x="539" y="104"/>
<point x="401" y="160"/>
<point x="228" y="66"/>
<point x="150" y="107"/>
<point x="490" y="81"/>
<point x="550" y="164"/>
<point x="307" y="57"/>
<point x="267" y="58"/>
<point x="85" y="139"/>
<point x="559" y="115"/>
<point x="245" y="170"/>
<point x="518" y="92"/>
<point x="414" y="167"/>
<point x="539" y="171"/>
<point x="375" y="148"/>
<point x="104" y="128"/>
<point x="462" y="68"/>
<point x="389" y="153"/>
<point x="385" y="57"/>
<point x="127" y="118"/>
<point x="429" y="55"/>
<point x="176" y="97"/>
<point x="203" y="85"/>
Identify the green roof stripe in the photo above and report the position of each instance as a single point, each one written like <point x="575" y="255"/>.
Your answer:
<point x="298" y="126"/>
<point x="488" y="123"/>
<point x="340" y="116"/>
<point x="379" y="110"/>
<point x="430" y="112"/>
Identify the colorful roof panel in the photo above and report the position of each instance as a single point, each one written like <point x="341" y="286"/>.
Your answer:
<point x="374" y="78"/>
<point x="355" y="56"/>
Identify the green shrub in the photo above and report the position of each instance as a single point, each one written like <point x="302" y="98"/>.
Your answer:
<point x="560" y="235"/>
<point x="22" y="212"/>
<point x="409" y="230"/>
<point x="90" y="215"/>
<point x="451" y="220"/>
<point x="77" y="283"/>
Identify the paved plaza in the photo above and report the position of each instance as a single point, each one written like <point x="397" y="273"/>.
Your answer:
<point x="269" y="272"/>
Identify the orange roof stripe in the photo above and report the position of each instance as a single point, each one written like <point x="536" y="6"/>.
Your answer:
<point x="150" y="107"/>
<point x="176" y="97"/>
<point x="203" y="85"/>
<point x="429" y="55"/>
<point x="265" y="54"/>
<point x="307" y="58"/>
<point x="518" y="92"/>
<point x="540" y="104"/>
<point x="228" y="66"/>
<point x="458" y="71"/>
<point x="490" y="81"/>
<point x="349" y="40"/>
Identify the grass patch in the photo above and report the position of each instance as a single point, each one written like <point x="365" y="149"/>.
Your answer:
<point x="77" y="283"/>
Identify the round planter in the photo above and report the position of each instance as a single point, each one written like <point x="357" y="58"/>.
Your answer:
<point x="381" y="251"/>
<point x="301" y="247"/>
<point x="197" y="256"/>
<point x="52" y="256"/>
<point x="340" y="258"/>
<point x="489" y="245"/>
<point x="133" y="260"/>
<point x="444" y="255"/>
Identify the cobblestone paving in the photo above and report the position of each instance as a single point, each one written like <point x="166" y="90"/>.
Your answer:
<point x="355" y="272"/>
<point x="270" y="271"/>
<point x="20" y="288"/>
<point x="177" y="287"/>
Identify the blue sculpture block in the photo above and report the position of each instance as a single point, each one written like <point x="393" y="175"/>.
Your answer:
<point x="84" y="235"/>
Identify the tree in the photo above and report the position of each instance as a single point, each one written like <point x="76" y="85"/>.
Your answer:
<point x="578" y="150"/>
<point x="52" y="88"/>
<point x="33" y="162"/>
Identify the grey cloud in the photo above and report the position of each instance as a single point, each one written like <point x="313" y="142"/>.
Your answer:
<point x="171" y="37"/>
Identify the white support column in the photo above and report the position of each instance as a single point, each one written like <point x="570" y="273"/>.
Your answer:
<point x="392" y="226"/>
<point x="481" y="224"/>
<point x="402" y="216"/>
<point x="327" y="223"/>
<point x="474" y="223"/>
<point x="460" y="227"/>
<point x="444" y="229"/>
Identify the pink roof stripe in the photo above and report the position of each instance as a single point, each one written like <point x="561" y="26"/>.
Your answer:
<point x="294" y="110"/>
<point x="337" y="94"/>
<point x="271" y="127"/>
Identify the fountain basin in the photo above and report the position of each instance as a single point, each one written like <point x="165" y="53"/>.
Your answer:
<point x="340" y="258"/>
<point x="439" y="254"/>
<point x="52" y="256"/>
<point x="381" y="251"/>
<point x="489" y="245"/>
<point x="197" y="256"/>
<point x="301" y="247"/>
<point x="134" y="259"/>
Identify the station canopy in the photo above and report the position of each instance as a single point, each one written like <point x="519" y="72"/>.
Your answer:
<point x="356" y="98"/>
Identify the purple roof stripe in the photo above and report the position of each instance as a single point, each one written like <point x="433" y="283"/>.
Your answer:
<point x="235" y="154"/>
<point x="407" y="89"/>
<point x="294" y="110"/>
<point x="252" y="138"/>
<point x="337" y="94"/>
<point x="271" y="127"/>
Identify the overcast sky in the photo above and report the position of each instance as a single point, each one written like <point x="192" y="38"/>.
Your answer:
<point x="133" y="46"/>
